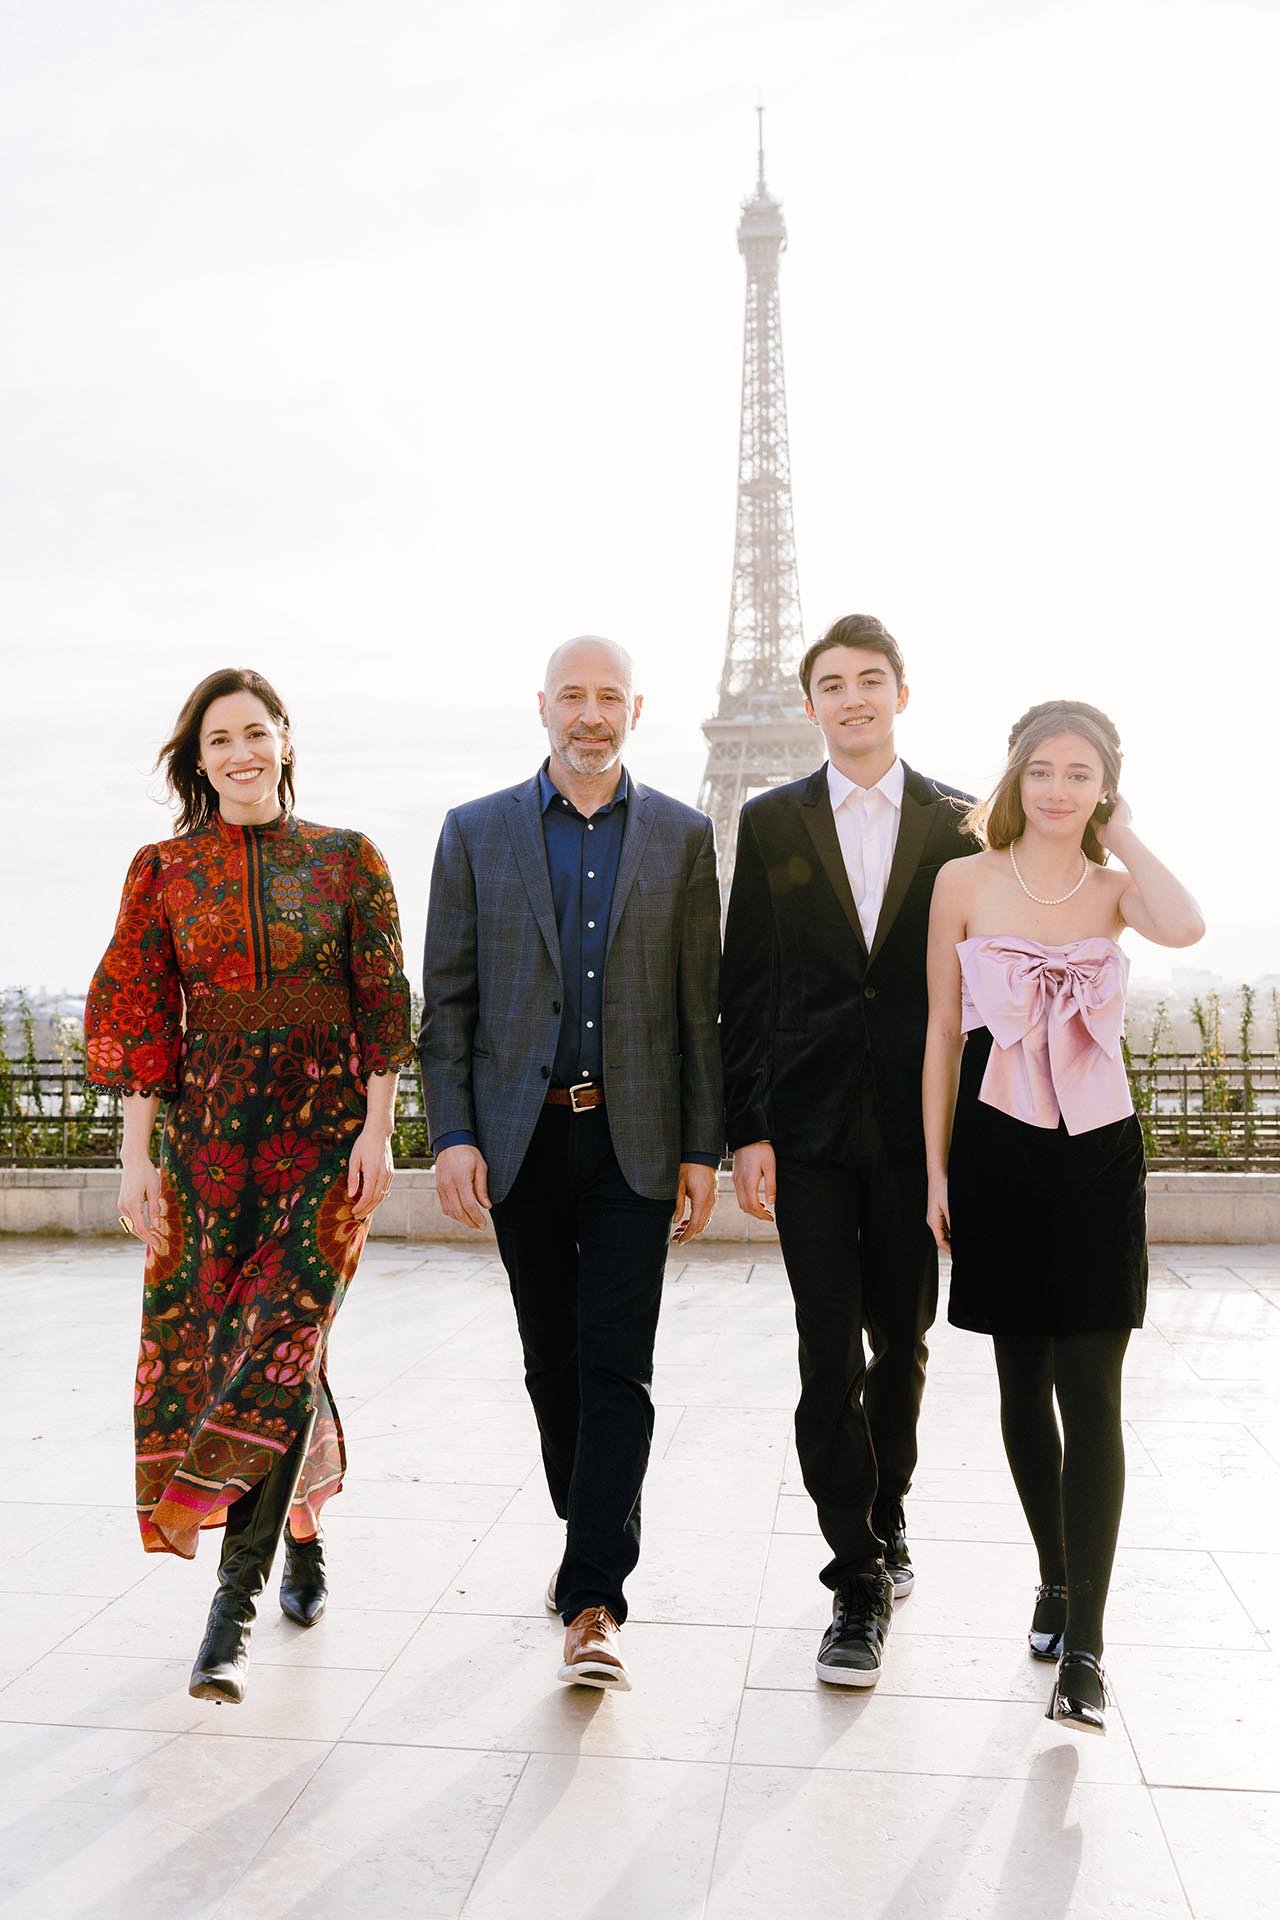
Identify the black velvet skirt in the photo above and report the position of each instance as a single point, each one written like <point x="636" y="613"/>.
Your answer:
<point x="1048" y="1228"/>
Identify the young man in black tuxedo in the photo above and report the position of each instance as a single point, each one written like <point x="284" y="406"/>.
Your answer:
<point x="824" y="1012"/>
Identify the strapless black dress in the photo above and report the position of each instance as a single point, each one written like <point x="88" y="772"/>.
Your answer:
<point x="1048" y="1228"/>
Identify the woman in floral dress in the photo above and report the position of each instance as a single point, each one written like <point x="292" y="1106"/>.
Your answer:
<point x="254" y="984"/>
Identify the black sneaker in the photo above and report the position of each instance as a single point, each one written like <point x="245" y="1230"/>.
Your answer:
<point x="853" y="1645"/>
<point x="897" y="1561"/>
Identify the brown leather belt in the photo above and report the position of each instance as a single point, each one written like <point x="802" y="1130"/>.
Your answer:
<point x="583" y="1098"/>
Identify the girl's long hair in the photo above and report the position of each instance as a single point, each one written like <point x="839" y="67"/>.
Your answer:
<point x="999" y="820"/>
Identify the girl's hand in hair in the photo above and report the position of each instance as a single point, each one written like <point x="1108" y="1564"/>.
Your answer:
<point x="1112" y="820"/>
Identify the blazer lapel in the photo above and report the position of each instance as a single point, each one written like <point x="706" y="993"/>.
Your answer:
<point x="913" y="831"/>
<point x="524" y="824"/>
<point x="634" y="836"/>
<point x="815" y="811"/>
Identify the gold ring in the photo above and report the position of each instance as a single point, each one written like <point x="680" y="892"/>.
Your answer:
<point x="125" y="1222"/>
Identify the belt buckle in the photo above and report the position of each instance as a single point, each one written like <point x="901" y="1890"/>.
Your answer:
<point x="578" y="1087"/>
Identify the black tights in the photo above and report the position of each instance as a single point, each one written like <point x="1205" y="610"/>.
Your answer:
<point x="1072" y="1488"/>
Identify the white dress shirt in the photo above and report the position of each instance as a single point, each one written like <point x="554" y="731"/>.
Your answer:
<point x="867" y="823"/>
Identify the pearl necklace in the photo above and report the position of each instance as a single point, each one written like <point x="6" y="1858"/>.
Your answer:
<point x="1084" y="875"/>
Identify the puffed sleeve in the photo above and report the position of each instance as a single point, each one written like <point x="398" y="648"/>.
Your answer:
<point x="379" y="991"/>
<point x="133" y="1015"/>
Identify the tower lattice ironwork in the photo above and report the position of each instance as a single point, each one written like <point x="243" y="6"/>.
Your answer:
<point x="759" y="736"/>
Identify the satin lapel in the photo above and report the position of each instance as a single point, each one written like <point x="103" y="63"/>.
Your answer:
<point x="634" y="837"/>
<point x="913" y="831"/>
<point x="524" y="824"/>
<point x="815" y="811"/>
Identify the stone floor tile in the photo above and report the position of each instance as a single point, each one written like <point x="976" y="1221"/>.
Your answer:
<point x="399" y="1565"/>
<point x="630" y="1839"/>
<point x="33" y="1624"/>
<point x="730" y="1433"/>
<point x="869" y="1732"/>
<point x="1255" y="1580"/>
<point x="94" y="1690"/>
<point x="1214" y="1729"/>
<point x="380" y="1833"/>
<point x="113" y="1824"/>
<point x="917" y="1847"/>
<point x="1222" y="1449"/>
<point x="479" y="1681"/>
<point x="99" y="1555"/>
<point x="1226" y="1847"/>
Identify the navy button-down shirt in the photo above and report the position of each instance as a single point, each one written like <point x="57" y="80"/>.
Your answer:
<point x="582" y="864"/>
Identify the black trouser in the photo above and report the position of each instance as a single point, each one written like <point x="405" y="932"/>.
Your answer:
<point x="859" y="1257"/>
<point x="585" y="1256"/>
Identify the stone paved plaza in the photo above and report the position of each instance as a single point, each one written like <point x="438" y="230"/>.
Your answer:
<point x="413" y="1755"/>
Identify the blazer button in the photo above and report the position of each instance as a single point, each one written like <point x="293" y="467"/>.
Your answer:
<point x="869" y="993"/>
<point x="555" y="1006"/>
<point x="545" y="1072"/>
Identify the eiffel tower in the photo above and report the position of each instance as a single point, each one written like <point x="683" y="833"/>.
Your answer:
<point x="759" y="736"/>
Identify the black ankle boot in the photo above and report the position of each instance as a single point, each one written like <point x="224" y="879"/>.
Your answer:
<point x="303" y="1593"/>
<point x="254" y="1525"/>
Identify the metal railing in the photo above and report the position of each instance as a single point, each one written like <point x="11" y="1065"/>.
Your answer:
<point x="1220" y="1114"/>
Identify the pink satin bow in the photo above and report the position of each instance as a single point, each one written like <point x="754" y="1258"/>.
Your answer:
<point x="1056" y="1015"/>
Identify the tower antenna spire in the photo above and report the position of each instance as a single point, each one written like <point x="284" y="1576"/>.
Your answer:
<point x="758" y="736"/>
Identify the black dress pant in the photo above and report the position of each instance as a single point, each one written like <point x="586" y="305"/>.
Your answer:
<point x="859" y="1258"/>
<point x="585" y="1256"/>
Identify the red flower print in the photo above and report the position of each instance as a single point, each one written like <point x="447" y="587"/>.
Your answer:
<point x="330" y="880"/>
<point x="261" y="1272"/>
<point x="217" y="1171"/>
<point x="132" y="1010"/>
<point x="167" y="1258"/>
<point x="234" y="971"/>
<point x="104" y="1053"/>
<point x="211" y="1278"/>
<point x="285" y="944"/>
<point x="151" y="1064"/>
<point x="181" y="893"/>
<point x="284" y="1160"/>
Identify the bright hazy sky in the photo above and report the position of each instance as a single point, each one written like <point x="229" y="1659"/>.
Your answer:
<point x="382" y="346"/>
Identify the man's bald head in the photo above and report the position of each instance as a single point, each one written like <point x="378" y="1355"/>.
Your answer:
<point x="588" y="651"/>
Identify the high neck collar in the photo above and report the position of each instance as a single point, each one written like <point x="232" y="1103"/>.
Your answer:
<point x="233" y="830"/>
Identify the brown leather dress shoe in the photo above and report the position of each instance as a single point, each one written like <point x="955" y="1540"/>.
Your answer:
<point x="593" y="1652"/>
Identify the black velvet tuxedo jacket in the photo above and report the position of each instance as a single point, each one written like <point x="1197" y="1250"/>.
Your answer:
<point x="806" y="1011"/>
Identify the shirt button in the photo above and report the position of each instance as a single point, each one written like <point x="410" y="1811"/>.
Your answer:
<point x="591" y="923"/>
<point x="591" y="1023"/>
<point x="591" y="973"/>
<point x="869" y="992"/>
<point x="591" y="876"/>
<point x="590" y="828"/>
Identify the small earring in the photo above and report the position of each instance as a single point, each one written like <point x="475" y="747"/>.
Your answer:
<point x="199" y="766"/>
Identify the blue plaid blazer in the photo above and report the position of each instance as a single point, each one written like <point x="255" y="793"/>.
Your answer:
<point x="492" y="978"/>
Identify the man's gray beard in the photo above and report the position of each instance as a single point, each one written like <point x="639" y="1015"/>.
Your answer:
<point x="572" y="749"/>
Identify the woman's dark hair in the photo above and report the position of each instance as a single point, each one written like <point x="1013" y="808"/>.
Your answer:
<point x="999" y="820"/>
<point x="179" y="757"/>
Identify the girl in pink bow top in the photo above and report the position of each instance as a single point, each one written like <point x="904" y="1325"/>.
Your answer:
<point x="1036" y="1171"/>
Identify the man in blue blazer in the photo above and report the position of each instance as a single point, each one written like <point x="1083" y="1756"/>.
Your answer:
<point x="571" y="1068"/>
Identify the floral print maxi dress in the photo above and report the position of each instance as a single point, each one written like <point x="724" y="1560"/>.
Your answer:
<point x="254" y="981"/>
